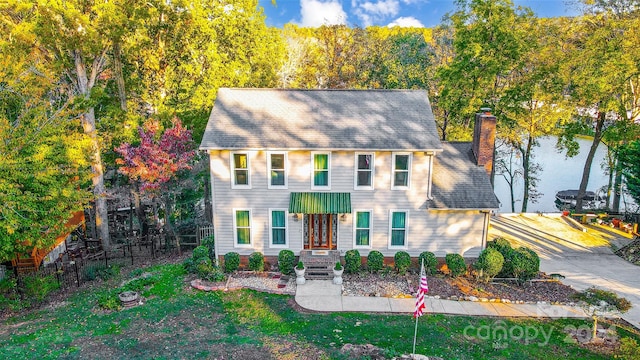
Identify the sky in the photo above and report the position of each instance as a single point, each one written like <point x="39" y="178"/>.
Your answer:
<point x="363" y="13"/>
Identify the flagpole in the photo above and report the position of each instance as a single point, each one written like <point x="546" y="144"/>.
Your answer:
<point x="415" y="335"/>
<point x="415" y="332"/>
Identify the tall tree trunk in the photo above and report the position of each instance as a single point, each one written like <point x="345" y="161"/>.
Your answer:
<point x="85" y="84"/>
<point x="617" y="187"/>
<point x="612" y="169"/>
<point x="168" y="209"/>
<point x="526" y="170"/>
<point x="140" y="213"/>
<point x="597" y="137"/>
<point x="117" y="69"/>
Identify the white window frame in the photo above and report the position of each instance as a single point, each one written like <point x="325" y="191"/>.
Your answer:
<point x="313" y="170"/>
<point x="286" y="230"/>
<point x="232" y="166"/>
<point x="286" y="170"/>
<point x="393" y="170"/>
<point x="406" y="229"/>
<point x="356" y="170"/>
<point x="355" y="228"/>
<point x="235" y="229"/>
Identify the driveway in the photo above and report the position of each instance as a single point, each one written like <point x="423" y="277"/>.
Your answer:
<point x="584" y="258"/>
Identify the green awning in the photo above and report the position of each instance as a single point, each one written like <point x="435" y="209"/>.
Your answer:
<point x="320" y="203"/>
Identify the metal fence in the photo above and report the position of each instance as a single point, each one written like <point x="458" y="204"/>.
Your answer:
<point x="72" y="269"/>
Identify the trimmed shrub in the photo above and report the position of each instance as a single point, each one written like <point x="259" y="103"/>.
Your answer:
<point x="375" y="261"/>
<point x="286" y="259"/>
<point x="231" y="261"/>
<point x="500" y="244"/>
<point x="430" y="262"/>
<point x="200" y="252"/>
<point x="455" y="264"/>
<point x="504" y="247"/>
<point x="208" y="241"/>
<point x="402" y="261"/>
<point x="338" y="266"/>
<point x="256" y="261"/>
<point x="489" y="263"/>
<point x="525" y="263"/>
<point x="352" y="261"/>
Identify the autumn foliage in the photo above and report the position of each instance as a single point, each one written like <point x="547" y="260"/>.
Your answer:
<point x="157" y="159"/>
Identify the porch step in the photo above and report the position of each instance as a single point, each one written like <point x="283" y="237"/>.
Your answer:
<point x="319" y="264"/>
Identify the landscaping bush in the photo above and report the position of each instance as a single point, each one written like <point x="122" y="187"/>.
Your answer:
<point x="256" y="261"/>
<point x="375" y="261"/>
<point x="200" y="252"/>
<point x="352" y="261"/>
<point x="504" y="247"/>
<point x="455" y="264"/>
<point x="430" y="262"/>
<point x="231" y="261"/>
<point x="207" y="271"/>
<point x="525" y="263"/>
<point x="208" y="241"/>
<point x="338" y="266"/>
<point x="285" y="261"/>
<point x="489" y="263"/>
<point x="595" y="296"/>
<point x="402" y="261"/>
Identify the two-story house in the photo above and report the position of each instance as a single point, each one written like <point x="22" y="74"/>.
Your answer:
<point x="344" y="169"/>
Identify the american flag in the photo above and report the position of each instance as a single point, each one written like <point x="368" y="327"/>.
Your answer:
<point x="424" y="288"/>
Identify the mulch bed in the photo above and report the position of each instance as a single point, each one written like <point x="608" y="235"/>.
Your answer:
<point x="543" y="288"/>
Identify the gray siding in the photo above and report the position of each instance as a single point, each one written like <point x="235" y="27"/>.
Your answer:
<point x="437" y="231"/>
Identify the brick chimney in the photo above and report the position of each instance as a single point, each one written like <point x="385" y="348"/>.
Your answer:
<point x="484" y="137"/>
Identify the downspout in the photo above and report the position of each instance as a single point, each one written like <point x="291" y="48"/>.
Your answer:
<point x="430" y="182"/>
<point x="213" y="211"/>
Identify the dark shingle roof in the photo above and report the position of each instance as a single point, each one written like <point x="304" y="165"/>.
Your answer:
<point x="321" y="119"/>
<point x="458" y="183"/>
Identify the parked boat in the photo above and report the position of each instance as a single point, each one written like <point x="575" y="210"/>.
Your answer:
<point x="566" y="199"/>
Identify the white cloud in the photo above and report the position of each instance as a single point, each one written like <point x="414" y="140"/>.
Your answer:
<point x="381" y="7"/>
<point x="316" y="13"/>
<point x="374" y="11"/>
<point x="409" y="21"/>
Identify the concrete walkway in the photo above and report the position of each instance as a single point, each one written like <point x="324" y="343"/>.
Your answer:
<point x="584" y="258"/>
<point x="323" y="295"/>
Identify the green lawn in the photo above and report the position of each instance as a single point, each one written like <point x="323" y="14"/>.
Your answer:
<point x="177" y="322"/>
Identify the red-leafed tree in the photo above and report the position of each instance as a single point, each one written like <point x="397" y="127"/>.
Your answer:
<point x="156" y="163"/>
